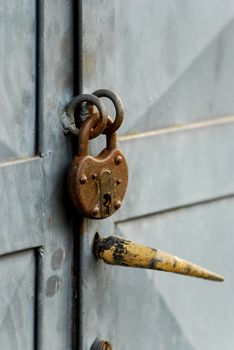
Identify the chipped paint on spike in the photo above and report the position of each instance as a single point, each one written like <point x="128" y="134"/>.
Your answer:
<point x="118" y="251"/>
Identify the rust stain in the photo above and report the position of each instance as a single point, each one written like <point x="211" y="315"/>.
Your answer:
<point x="89" y="64"/>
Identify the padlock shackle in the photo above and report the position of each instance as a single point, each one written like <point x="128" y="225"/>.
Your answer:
<point x="111" y="138"/>
<point x="87" y="126"/>
<point x="111" y="141"/>
<point x="84" y="135"/>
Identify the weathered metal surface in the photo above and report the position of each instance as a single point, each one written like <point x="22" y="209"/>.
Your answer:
<point x="17" y="300"/>
<point x="172" y="64"/>
<point x="200" y="233"/>
<point x="119" y="251"/>
<point x="54" y="316"/>
<point x="17" y="78"/>
<point x="175" y="72"/>
<point x="167" y="301"/>
<point x="36" y="285"/>
<point x="21" y="205"/>
<point x="185" y="165"/>
<point x="209" y="93"/>
<point x="97" y="185"/>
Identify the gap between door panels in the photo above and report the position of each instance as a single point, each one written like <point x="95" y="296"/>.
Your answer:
<point x="77" y="223"/>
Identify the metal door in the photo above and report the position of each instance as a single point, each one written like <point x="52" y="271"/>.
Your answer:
<point x="172" y="64"/>
<point x="36" y="241"/>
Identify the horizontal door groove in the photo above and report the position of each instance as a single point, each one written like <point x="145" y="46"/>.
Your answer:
<point x="181" y="207"/>
<point x="179" y="128"/>
<point x="19" y="161"/>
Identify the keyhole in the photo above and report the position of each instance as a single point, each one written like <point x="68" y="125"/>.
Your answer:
<point x="107" y="202"/>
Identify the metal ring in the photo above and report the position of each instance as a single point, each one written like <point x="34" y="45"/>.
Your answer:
<point x="118" y="107"/>
<point x="101" y="125"/>
<point x="108" y="124"/>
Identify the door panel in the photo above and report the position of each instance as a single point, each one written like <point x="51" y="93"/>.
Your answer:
<point x="54" y="312"/>
<point x="18" y="78"/>
<point x="207" y="74"/>
<point x="21" y="204"/>
<point x="169" y="167"/>
<point x="172" y="65"/>
<point x="157" y="310"/>
<point x="203" y="311"/>
<point x="17" y="303"/>
<point x="36" y="84"/>
<point x="157" y="54"/>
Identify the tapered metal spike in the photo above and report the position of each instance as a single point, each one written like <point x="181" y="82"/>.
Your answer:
<point x="118" y="251"/>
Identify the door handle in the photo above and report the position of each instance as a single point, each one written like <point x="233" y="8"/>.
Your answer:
<point x="119" y="251"/>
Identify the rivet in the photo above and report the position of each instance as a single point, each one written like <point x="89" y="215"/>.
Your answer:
<point x="95" y="211"/>
<point x="83" y="179"/>
<point x="94" y="176"/>
<point x="119" y="181"/>
<point x="117" y="204"/>
<point x="118" y="159"/>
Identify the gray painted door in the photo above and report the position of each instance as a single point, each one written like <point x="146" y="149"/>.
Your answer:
<point x="172" y="64"/>
<point x="36" y="241"/>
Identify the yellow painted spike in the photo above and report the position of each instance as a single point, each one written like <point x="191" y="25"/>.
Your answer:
<point x="118" y="251"/>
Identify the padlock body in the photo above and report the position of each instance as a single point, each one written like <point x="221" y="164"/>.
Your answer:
<point x="97" y="186"/>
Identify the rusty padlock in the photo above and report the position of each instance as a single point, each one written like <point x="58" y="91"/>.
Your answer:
<point x="97" y="185"/>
